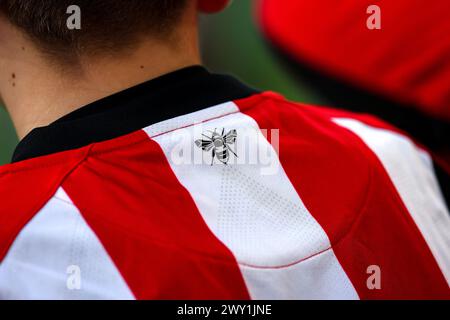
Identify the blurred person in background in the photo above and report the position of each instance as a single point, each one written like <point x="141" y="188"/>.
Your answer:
<point x="141" y="175"/>
<point x="387" y="58"/>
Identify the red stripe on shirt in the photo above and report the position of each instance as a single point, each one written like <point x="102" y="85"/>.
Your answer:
<point x="26" y="186"/>
<point x="347" y="190"/>
<point x="149" y="224"/>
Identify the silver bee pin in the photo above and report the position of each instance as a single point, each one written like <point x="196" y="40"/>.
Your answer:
<point x="220" y="144"/>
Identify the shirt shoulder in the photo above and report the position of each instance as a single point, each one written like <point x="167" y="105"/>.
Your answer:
<point x="25" y="187"/>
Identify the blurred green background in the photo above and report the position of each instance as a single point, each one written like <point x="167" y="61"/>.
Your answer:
<point x="231" y="44"/>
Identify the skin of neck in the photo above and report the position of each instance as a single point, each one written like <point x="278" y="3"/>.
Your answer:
<point x="36" y="93"/>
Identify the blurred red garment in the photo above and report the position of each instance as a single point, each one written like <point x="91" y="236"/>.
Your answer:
<point x="408" y="59"/>
<point x="402" y="69"/>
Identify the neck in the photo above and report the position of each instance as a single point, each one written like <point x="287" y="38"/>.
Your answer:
<point x="37" y="93"/>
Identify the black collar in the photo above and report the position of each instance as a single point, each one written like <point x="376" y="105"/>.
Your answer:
<point x="181" y="92"/>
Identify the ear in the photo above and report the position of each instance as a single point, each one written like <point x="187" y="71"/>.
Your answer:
<point x="212" y="6"/>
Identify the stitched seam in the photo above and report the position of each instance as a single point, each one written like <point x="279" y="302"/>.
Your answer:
<point x="362" y="210"/>
<point x="147" y="138"/>
<point x="46" y="165"/>
<point x="179" y="128"/>
<point x="286" y="265"/>
<point x="195" y="123"/>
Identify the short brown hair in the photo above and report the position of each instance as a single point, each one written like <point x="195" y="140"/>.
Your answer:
<point x="105" y="24"/>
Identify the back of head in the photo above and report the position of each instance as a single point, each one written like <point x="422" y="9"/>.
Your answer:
<point x="107" y="26"/>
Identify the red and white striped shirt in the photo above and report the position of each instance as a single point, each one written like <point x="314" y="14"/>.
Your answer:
<point x="307" y="204"/>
